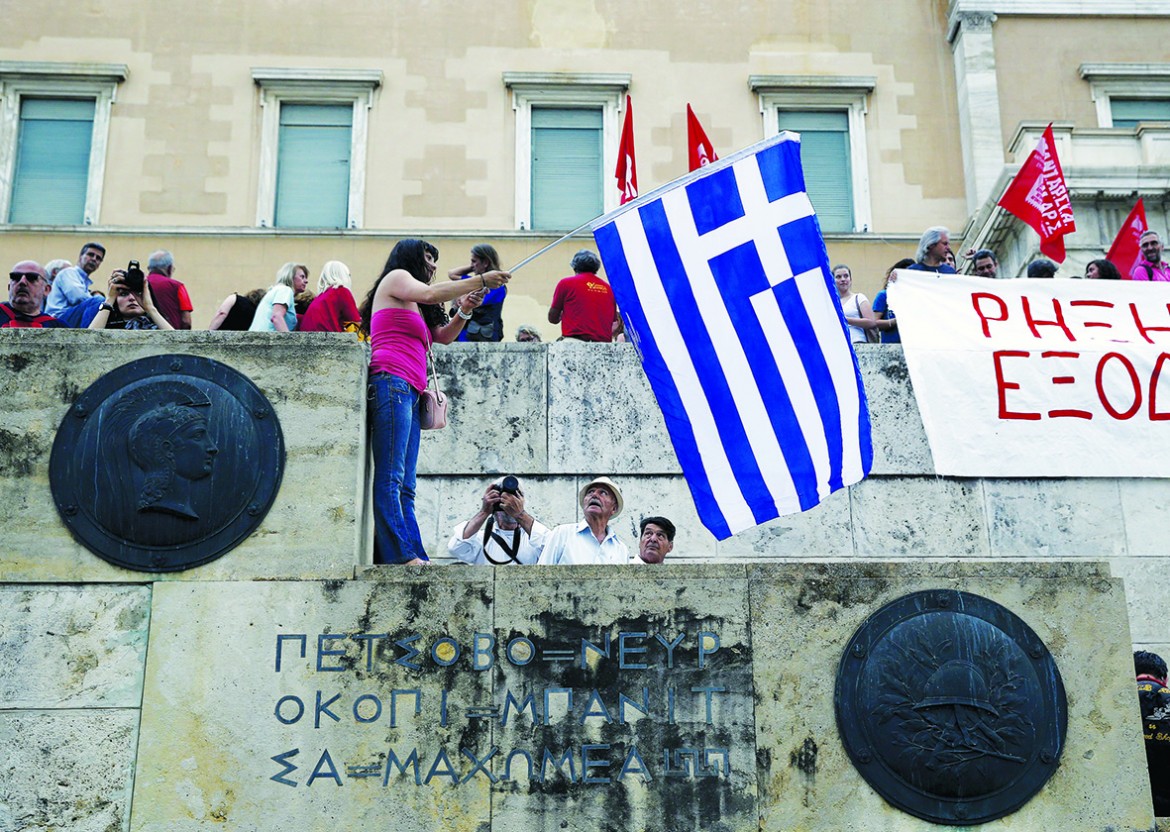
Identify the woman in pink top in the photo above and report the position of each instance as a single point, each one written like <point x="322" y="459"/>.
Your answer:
<point x="334" y="306"/>
<point x="404" y="314"/>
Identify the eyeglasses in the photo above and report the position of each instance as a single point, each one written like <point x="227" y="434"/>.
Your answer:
<point x="30" y="277"/>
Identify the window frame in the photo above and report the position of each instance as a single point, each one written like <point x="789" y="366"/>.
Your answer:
<point x="1108" y="81"/>
<point x="45" y="79"/>
<point x="279" y="86"/>
<point x="568" y="90"/>
<point x="849" y="94"/>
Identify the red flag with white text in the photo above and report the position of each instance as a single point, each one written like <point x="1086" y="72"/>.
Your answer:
<point x="627" y="172"/>
<point x="699" y="149"/>
<point x="1126" y="249"/>
<point x="1039" y="196"/>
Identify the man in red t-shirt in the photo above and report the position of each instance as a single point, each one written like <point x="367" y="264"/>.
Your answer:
<point x="170" y="296"/>
<point x="583" y="304"/>
<point x="27" y="284"/>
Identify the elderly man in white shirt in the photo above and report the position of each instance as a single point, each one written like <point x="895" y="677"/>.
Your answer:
<point x="591" y="541"/>
<point x="501" y="532"/>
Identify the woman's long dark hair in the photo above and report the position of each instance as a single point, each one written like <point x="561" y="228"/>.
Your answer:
<point x="409" y="256"/>
<point x="1105" y="269"/>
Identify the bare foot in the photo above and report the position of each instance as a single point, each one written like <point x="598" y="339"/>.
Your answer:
<point x="417" y="562"/>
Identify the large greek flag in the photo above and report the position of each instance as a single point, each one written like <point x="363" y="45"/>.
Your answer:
<point x="724" y="285"/>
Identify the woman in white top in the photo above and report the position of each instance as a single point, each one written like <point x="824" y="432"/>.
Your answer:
<point x="858" y="313"/>
<point x="275" y="311"/>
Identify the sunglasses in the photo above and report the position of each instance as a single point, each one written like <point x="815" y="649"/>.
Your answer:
<point x="31" y="277"/>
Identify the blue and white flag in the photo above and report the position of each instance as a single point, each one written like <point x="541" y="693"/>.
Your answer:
<point x="723" y="281"/>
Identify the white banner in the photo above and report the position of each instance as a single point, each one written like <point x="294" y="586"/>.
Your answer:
<point x="1039" y="378"/>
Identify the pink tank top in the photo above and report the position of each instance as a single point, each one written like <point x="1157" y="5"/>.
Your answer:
<point x="399" y="339"/>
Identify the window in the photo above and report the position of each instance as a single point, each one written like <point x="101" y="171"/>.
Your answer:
<point x="1127" y="95"/>
<point x="566" y="146"/>
<point x="313" y="146"/>
<point x="1130" y="112"/>
<point x="829" y="114"/>
<point x="566" y="160"/>
<point x="54" y="126"/>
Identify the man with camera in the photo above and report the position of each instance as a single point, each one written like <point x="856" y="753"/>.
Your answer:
<point x="71" y="288"/>
<point x="501" y="533"/>
<point x="590" y="541"/>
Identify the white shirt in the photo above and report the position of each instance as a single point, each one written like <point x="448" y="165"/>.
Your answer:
<point x="574" y="543"/>
<point x="471" y="550"/>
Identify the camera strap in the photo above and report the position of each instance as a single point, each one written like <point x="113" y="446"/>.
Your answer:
<point x="510" y="550"/>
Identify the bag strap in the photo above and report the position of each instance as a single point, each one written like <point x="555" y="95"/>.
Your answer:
<point x="434" y="379"/>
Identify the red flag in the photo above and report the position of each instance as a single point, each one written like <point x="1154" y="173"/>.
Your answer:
<point x="699" y="149"/>
<point x="1126" y="249"/>
<point x="1039" y="197"/>
<point x="627" y="172"/>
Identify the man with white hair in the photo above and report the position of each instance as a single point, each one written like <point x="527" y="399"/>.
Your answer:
<point x="590" y="541"/>
<point x="502" y="532"/>
<point x="170" y="296"/>
<point x="933" y="247"/>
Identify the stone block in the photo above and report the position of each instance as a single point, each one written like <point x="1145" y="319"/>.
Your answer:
<point x="1144" y="519"/>
<point x="1054" y="518"/>
<point x="601" y="413"/>
<point x="899" y="440"/>
<point x="654" y="771"/>
<point x="498" y="418"/>
<point x="67" y="769"/>
<point x="243" y="728"/>
<point x="72" y="646"/>
<point x="1147" y="586"/>
<point x="917" y="516"/>
<point x="802" y="619"/>
<point x="314" y="383"/>
<point x="824" y="531"/>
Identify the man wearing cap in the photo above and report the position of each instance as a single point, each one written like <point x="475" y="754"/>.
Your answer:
<point x="656" y="540"/>
<point x="27" y="284"/>
<point x="502" y="532"/>
<point x="591" y="541"/>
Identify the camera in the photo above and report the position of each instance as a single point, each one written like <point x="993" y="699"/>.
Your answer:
<point x="508" y="485"/>
<point x="135" y="279"/>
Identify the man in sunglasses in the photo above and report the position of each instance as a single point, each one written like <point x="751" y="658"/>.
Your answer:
<point x="27" y="284"/>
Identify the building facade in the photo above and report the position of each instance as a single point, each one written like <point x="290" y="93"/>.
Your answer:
<point x="242" y="138"/>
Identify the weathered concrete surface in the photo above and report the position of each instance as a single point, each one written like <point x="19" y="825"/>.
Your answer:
<point x="72" y="646"/>
<point x="66" y="769"/>
<point x="803" y="617"/>
<point x="498" y="414"/>
<point x="314" y="382"/>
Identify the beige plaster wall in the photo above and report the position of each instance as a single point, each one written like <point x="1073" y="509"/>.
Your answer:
<point x="1037" y="63"/>
<point x="184" y="138"/>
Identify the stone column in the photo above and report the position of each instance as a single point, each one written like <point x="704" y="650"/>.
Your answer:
<point x="979" y="120"/>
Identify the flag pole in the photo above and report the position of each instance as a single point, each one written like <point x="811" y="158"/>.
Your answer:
<point x="554" y="243"/>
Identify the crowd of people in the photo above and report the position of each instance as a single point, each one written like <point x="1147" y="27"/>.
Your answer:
<point x="503" y="533"/>
<point x="876" y="322"/>
<point x="61" y="294"/>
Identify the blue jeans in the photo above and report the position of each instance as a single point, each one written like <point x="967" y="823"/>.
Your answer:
<point x="395" y="429"/>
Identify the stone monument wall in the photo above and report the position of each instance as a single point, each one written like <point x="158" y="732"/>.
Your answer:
<point x="173" y="701"/>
